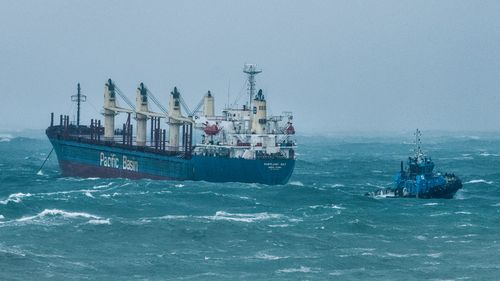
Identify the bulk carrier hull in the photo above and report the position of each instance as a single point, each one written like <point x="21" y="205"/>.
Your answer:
<point x="243" y="144"/>
<point x="80" y="159"/>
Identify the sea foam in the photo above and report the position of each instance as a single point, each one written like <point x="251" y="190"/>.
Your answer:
<point x="57" y="212"/>
<point x="221" y="215"/>
<point x="479" y="181"/>
<point x="16" y="198"/>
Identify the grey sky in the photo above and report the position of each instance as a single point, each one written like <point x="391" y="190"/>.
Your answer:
<point x="338" y="65"/>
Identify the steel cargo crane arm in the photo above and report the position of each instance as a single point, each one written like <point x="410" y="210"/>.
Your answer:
<point x="157" y="103"/>
<point x="184" y="105"/>
<point x="124" y="98"/>
<point x="198" y="106"/>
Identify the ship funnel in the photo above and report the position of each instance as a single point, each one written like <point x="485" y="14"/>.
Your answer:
<point x="208" y="105"/>
<point x="109" y="114"/>
<point x="259" y="114"/>
<point x="141" y="106"/>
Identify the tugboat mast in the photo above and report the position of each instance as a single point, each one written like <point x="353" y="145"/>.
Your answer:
<point x="418" y="143"/>
<point x="251" y="70"/>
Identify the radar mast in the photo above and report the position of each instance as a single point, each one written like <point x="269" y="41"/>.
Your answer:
<point x="251" y="70"/>
<point x="418" y="150"/>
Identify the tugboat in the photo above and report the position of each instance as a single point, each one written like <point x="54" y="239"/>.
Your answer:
<point x="419" y="180"/>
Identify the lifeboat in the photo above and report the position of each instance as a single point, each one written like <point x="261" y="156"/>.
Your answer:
<point x="290" y="130"/>
<point x="211" y="130"/>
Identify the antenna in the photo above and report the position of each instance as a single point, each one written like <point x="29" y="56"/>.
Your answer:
<point x="418" y="143"/>
<point x="251" y="70"/>
<point x="78" y="98"/>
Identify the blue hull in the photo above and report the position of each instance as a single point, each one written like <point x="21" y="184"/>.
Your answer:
<point x="99" y="160"/>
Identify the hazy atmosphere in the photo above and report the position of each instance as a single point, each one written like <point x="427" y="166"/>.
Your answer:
<point x="338" y="65"/>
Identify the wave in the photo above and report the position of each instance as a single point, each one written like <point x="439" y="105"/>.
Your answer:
<point x="99" y="221"/>
<point x="12" y="251"/>
<point x="463" y="213"/>
<point x="16" y="198"/>
<point x="332" y="206"/>
<point x="431" y="204"/>
<point x="303" y="269"/>
<point x="396" y="255"/>
<point x="221" y="215"/>
<point x="6" y="137"/>
<point x="57" y="212"/>
<point x="173" y="217"/>
<point x="479" y="181"/>
<point x="102" y="185"/>
<point x="486" y="154"/>
<point x="264" y="256"/>
<point x="296" y="183"/>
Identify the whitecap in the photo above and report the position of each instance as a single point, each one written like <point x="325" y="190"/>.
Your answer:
<point x="2" y="217"/>
<point x="57" y="212"/>
<point x="439" y="214"/>
<point x="421" y="237"/>
<point x="303" y="269"/>
<point x="89" y="194"/>
<point x="463" y="213"/>
<point x="99" y="221"/>
<point x="486" y="154"/>
<point x="221" y="215"/>
<point x="342" y="272"/>
<point x="332" y="206"/>
<point x="296" y="183"/>
<point x="179" y="185"/>
<point x="479" y="181"/>
<point x="12" y="251"/>
<point x="6" y="137"/>
<point x="434" y="255"/>
<point x="337" y="185"/>
<point x="400" y="255"/>
<point x="173" y="217"/>
<point x="102" y="185"/>
<point x="15" y="197"/>
<point x="279" y="225"/>
<point x="431" y="204"/>
<point x="40" y="173"/>
<point x="264" y="256"/>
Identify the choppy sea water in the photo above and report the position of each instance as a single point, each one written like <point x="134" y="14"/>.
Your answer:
<point x="320" y="226"/>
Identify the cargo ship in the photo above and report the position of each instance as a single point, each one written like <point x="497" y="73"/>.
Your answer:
<point x="243" y="144"/>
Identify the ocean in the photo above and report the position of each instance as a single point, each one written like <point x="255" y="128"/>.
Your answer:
<point x="319" y="226"/>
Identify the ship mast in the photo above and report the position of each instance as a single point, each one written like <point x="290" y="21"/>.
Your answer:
<point x="78" y="98"/>
<point x="418" y="143"/>
<point x="251" y="70"/>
